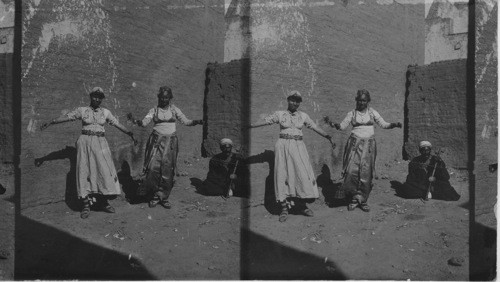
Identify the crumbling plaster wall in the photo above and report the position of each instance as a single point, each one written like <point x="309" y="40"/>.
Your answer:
<point x="130" y="49"/>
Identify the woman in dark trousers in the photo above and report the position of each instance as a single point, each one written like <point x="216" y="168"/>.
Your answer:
<point x="360" y="151"/>
<point x="160" y="157"/>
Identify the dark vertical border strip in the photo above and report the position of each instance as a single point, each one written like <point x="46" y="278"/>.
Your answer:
<point x="246" y="93"/>
<point x="471" y="129"/>
<point x="204" y="152"/>
<point x="16" y="117"/>
<point x="409" y="70"/>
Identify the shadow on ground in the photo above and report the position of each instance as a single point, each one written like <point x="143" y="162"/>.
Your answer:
<point x="334" y="195"/>
<point x="46" y="253"/>
<point x="264" y="259"/>
<point x="482" y="252"/>
<point x="69" y="152"/>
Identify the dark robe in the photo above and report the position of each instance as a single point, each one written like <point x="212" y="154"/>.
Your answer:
<point x="219" y="170"/>
<point x="417" y="181"/>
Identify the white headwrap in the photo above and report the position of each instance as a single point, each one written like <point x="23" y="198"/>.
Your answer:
<point x="226" y="141"/>
<point x="425" y="144"/>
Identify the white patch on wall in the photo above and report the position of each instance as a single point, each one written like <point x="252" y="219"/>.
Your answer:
<point x="89" y="26"/>
<point x="286" y="36"/>
<point x="32" y="125"/>
<point x="446" y="31"/>
<point x="385" y="2"/>
<point x="486" y="133"/>
<point x="6" y="14"/>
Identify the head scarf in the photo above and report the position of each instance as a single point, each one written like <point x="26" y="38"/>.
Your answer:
<point x="226" y="141"/>
<point x="425" y="144"/>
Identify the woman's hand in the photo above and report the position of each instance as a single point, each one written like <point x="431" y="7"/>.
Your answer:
<point x="432" y="179"/>
<point x="45" y="125"/>
<point x="232" y="176"/>
<point x="396" y="124"/>
<point x="331" y="141"/>
<point x="130" y="117"/>
<point x="199" y="121"/>
<point x="131" y="134"/>
<point x="38" y="162"/>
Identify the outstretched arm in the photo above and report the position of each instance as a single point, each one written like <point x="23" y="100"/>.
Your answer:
<point x="270" y="119"/>
<point x="145" y="121"/>
<point x="184" y="120"/>
<point x="57" y="120"/>
<point x="125" y="130"/>
<point x="258" y="124"/>
<point x="309" y="123"/>
<point x="382" y="123"/>
<point x="340" y="126"/>
<point x="114" y="122"/>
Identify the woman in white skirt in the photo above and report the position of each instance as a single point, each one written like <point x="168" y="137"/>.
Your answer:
<point x="95" y="170"/>
<point x="294" y="179"/>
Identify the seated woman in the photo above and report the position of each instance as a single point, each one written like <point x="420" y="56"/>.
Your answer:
<point x="427" y="171"/>
<point x="226" y="172"/>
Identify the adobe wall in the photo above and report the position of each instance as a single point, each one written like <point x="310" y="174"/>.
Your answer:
<point x="437" y="110"/>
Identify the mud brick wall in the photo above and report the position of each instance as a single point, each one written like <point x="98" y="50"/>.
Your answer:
<point x="437" y="110"/>
<point x="6" y="115"/>
<point x="130" y="49"/>
<point x="327" y="52"/>
<point x="226" y="105"/>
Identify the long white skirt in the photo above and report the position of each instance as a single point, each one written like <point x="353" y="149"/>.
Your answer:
<point x="293" y="173"/>
<point x="95" y="170"/>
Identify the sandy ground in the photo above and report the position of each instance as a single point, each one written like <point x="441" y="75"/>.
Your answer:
<point x="7" y="222"/>
<point x="212" y="238"/>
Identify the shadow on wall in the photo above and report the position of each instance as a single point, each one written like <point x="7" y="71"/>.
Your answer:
<point x="269" y="196"/>
<point x="70" y="197"/>
<point x="265" y="259"/>
<point x="45" y="253"/>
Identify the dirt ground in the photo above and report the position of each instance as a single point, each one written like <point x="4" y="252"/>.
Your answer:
<point x="211" y="238"/>
<point x="7" y="222"/>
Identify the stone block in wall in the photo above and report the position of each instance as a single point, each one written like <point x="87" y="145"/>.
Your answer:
<point x="436" y="110"/>
<point x="226" y="105"/>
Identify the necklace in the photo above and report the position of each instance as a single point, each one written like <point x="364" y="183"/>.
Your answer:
<point x="363" y="113"/>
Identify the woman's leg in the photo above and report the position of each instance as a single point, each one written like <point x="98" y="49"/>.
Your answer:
<point x="302" y="207"/>
<point x="104" y="204"/>
<point x="86" y="208"/>
<point x="284" y="211"/>
<point x="169" y="150"/>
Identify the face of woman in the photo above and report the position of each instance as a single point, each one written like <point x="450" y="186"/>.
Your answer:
<point x="362" y="103"/>
<point x="95" y="101"/>
<point x="163" y="100"/>
<point x="293" y="105"/>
